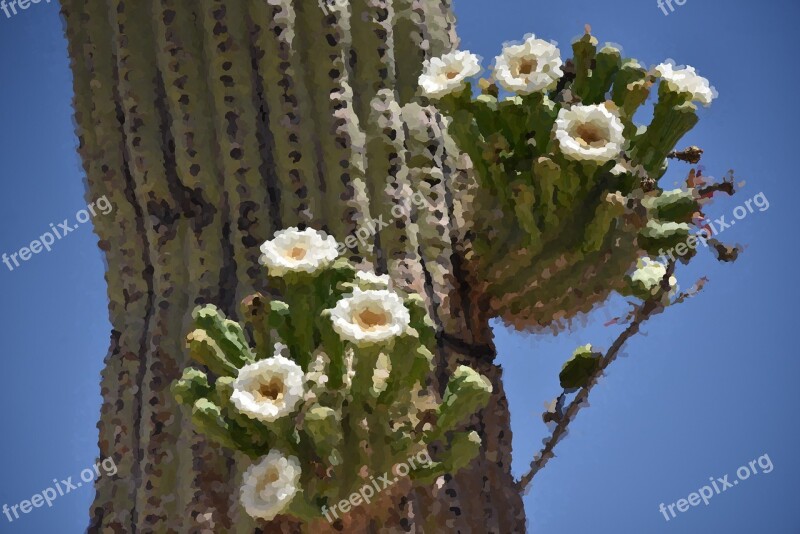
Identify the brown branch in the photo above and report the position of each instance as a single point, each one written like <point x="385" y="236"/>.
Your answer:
<point x="727" y="186"/>
<point x="640" y="315"/>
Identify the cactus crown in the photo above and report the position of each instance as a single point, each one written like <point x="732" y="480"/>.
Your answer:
<point x="569" y="180"/>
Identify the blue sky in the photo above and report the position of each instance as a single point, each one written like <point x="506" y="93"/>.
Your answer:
<point x="709" y="387"/>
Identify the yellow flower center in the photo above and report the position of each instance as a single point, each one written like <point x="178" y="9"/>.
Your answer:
<point x="525" y="67"/>
<point x="271" y="391"/>
<point x="452" y="74"/>
<point x="589" y="135"/>
<point x="370" y="319"/>
<point x="270" y="477"/>
<point x="297" y="253"/>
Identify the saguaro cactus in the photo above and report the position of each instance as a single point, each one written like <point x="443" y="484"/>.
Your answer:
<point x="213" y="124"/>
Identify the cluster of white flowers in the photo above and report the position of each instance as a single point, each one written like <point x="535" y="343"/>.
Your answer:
<point x="270" y="485"/>
<point x="589" y="133"/>
<point x="649" y="274"/>
<point x="531" y="67"/>
<point x="273" y="388"/>
<point x="366" y="317"/>
<point x="585" y="133"/>
<point x="686" y="80"/>
<point x="266" y="391"/>
<point x="535" y="66"/>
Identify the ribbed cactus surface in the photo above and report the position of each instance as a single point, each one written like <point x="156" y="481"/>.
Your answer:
<point x="211" y="124"/>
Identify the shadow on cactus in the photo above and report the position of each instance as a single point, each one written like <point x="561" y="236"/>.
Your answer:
<point x="325" y="383"/>
<point x="569" y="180"/>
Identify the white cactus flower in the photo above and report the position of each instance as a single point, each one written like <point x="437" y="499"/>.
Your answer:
<point x="589" y="133"/>
<point x="649" y="274"/>
<point x="294" y="250"/>
<point x="531" y="67"/>
<point x="443" y="75"/>
<point x="268" y="389"/>
<point x="270" y="485"/>
<point x="369" y="317"/>
<point x="686" y="80"/>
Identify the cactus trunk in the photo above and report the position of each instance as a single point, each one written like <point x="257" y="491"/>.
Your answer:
<point x="210" y="124"/>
